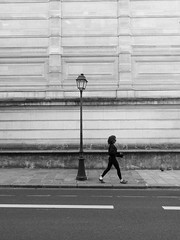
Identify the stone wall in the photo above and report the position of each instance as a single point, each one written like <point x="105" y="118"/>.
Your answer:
<point x="144" y="124"/>
<point x="125" y="48"/>
<point x="129" y="53"/>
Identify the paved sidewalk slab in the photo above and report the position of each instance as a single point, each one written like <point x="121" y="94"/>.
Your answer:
<point x="58" y="178"/>
<point x="157" y="178"/>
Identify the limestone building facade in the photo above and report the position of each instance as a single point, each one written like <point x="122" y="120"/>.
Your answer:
<point x="129" y="51"/>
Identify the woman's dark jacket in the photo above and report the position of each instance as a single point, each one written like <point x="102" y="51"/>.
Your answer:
<point x="112" y="151"/>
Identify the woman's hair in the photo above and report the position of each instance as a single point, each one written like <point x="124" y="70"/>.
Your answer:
<point x="111" y="139"/>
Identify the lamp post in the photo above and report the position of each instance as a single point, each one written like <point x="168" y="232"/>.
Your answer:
<point x="81" y="85"/>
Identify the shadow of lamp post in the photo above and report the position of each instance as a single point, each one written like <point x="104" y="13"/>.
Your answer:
<point x="81" y="85"/>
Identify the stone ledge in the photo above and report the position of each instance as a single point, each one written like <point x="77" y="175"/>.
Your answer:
<point x="88" y="102"/>
<point x="21" y="151"/>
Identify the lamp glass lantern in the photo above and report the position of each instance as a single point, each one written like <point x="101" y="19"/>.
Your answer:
<point x="81" y="82"/>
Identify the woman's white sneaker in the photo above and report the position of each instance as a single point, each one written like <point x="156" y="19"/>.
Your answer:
<point x="101" y="179"/>
<point x="123" y="181"/>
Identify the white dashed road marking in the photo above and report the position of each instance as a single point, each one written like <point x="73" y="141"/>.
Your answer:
<point x="176" y="208"/>
<point x="57" y="206"/>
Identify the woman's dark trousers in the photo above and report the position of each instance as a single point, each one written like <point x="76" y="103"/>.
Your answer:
<point x="116" y="165"/>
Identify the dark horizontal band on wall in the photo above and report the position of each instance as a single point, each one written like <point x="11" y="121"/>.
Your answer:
<point x="89" y="102"/>
<point x="87" y="151"/>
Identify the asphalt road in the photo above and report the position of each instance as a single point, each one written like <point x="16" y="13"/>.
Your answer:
<point x="51" y="214"/>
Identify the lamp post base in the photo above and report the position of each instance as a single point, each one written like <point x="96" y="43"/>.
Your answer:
<point x="81" y="176"/>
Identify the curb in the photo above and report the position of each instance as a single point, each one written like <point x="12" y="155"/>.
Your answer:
<point x="145" y="187"/>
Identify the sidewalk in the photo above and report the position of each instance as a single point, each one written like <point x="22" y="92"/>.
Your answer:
<point x="62" y="178"/>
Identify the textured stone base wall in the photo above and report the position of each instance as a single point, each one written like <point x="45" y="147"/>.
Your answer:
<point x="93" y="160"/>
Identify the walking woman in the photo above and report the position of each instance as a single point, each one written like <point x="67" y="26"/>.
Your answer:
<point x="112" y="151"/>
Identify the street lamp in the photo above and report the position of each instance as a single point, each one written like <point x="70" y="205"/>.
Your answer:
<point x="81" y="85"/>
